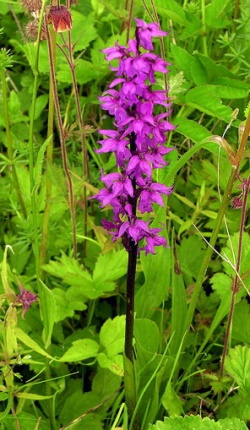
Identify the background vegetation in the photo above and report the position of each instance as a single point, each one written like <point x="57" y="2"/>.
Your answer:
<point x="62" y="360"/>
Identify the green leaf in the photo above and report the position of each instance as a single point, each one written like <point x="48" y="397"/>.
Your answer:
<point x="156" y="269"/>
<point x="112" y="335"/>
<point x="171" y="9"/>
<point x="32" y="396"/>
<point x="171" y="402"/>
<point x="237" y="364"/>
<point x="183" y="60"/>
<point x="83" y="30"/>
<point x="48" y="312"/>
<point x="196" y="422"/>
<point x="191" y="129"/>
<point x="236" y="407"/>
<point x="67" y="302"/>
<point x="26" y="421"/>
<point x="110" y="266"/>
<point x="241" y="319"/>
<point x="76" y="405"/>
<point x="115" y="364"/>
<point x="81" y="349"/>
<point x="28" y="341"/>
<point x="41" y="103"/>
<point x="216" y="12"/>
<point x="147" y="335"/>
<point x="205" y="99"/>
<point x="39" y="164"/>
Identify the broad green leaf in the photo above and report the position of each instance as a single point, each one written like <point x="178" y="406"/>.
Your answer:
<point x="183" y="60"/>
<point x="237" y="364"/>
<point x="67" y="302"/>
<point x="216" y="14"/>
<point x="214" y="70"/>
<point x="156" y="269"/>
<point x="83" y="31"/>
<point x="192" y="130"/>
<point x="205" y="99"/>
<point x="111" y="266"/>
<point x="28" y="341"/>
<point x="85" y="72"/>
<point x="105" y="383"/>
<point x="147" y="335"/>
<point x="171" y="9"/>
<point x="241" y="322"/>
<point x="236" y="406"/>
<point x="171" y="402"/>
<point x="81" y="349"/>
<point x="26" y="421"/>
<point x="48" y="312"/>
<point x="112" y="335"/>
<point x="115" y="364"/>
<point x="191" y="253"/>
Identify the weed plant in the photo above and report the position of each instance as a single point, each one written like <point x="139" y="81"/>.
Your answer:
<point x="68" y="294"/>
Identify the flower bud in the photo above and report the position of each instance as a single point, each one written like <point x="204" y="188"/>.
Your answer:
<point x="60" y="18"/>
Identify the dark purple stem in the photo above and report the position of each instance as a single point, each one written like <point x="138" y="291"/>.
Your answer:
<point x="132" y="259"/>
<point x="129" y="331"/>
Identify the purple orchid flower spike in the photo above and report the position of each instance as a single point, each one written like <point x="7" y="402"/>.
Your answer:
<point x="138" y="142"/>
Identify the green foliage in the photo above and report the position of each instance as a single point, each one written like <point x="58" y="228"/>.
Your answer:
<point x="63" y="364"/>
<point x="189" y="423"/>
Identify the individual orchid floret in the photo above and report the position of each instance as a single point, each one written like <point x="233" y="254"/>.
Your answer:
<point x="146" y="32"/>
<point x="138" y="141"/>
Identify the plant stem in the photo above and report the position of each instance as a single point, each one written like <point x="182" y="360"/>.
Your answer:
<point x="204" y="28"/>
<point x="235" y="287"/>
<point x="62" y="136"/>
<point x="10" y="143"/>
<point x="49" y="157"/>
<point x="129" y="331"/>
<point x="86" y="172"/>
<point x="31" y="148"/>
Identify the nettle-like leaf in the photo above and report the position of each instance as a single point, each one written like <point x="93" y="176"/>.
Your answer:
<point x="197" y="423"/>
<point x="237" y="364"/>
<point x="67" y="302"/>
<point x="107" y="270"/>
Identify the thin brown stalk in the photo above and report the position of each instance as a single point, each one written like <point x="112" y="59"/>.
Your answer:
<point x="62" y="136"/>
<point x="236" y="281"/>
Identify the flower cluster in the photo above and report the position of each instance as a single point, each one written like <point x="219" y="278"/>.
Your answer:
<point x="138" y="141"/>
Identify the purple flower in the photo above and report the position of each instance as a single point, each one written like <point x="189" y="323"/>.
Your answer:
<point x="146" y="32"/>
<point x="138" y="142"/>
<point x="25" y="298"/>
